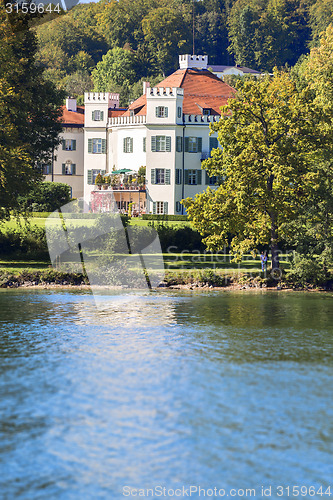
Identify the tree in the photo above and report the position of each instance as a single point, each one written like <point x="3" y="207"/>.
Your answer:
<point x="46" y="197"/>
<point x="264" y="34"/>
<point x="266" y="163"/>
<point x="29" y="113"/>
<point x="165" y="30"/>
<point x="315" y="73"/>
<point x="115" y="72"/>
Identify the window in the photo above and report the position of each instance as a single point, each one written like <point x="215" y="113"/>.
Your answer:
<point x="160" y="175"/>
<point x="178" y="206"/>
<point x="193" y="144"/>
<point x="97" y="146"/>
<point x="128" y="145"/>
<point x="206" y="111"/>
<point x="160" y="207"/>
<point x="179" y="112"/>
<point x="179" y="144"/>
<point x="46" y="169"/>
<point x="161" y="112"/>
<point x="92" y="174"/>
<point x="68" y="168"/>
<point x="161" y="143"/>
<point x="97" y="115"/>
<point x="211" y="181"/>
<point x="193" y="177"/>
<point x="144" y="145"/>
<point x="69" y="145"/>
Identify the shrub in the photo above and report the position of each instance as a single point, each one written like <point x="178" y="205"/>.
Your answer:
<point x="46" y="197"/>
<point x="307" y="270"/>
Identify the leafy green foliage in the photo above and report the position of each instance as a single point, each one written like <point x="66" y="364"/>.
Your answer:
<point x="29" y="114"/>
<point x="267" y="164"/>
<point x="46" y="197"/>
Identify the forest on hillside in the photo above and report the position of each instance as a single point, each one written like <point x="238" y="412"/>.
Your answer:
<point x="114" y="45"/>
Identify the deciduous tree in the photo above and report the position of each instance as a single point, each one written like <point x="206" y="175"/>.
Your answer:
<point x="267" y="165"/>
<point x="29" y="114"/>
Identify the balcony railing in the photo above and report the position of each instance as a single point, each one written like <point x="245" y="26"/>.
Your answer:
<point x="119" y="187"/>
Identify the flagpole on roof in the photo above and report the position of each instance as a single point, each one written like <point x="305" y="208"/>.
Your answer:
<point x="193" y="53"/>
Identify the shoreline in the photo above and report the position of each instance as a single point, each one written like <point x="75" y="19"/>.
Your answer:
<point x="181" y="287"/>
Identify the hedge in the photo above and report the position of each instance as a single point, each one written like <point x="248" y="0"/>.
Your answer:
<point x="164" y="217"/>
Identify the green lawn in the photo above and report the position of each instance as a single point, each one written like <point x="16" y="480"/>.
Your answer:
<point x="14" y="223"/>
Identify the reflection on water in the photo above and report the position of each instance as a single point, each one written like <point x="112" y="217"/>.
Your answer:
<point x="219" y="389"/>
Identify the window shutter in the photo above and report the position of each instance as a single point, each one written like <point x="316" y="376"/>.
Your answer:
<point x="179" y="144"/>
<point x="207" y="178"/>
<point x="144" y="145"/>
<point x="73" y="169"/>
<point x="166" y="111"/>
<point x="213" y="143"/>
<point x="199" y="176"/>
<point x="74" y="145"/>
<point x="167" y="176"/>
<point x="199" y="143"/>
<point x="156" y="112"/>
<point x="90" y="177"/>
<point x="102" y="115"/>
<point x="186" y="146"/>
<point x="165" y="211"/>
<point x="93" y="115"/>
<point x="90" y="145"/>
<point x="153" y="176"/>
<point x="63" y="144"/>
<point x="154" y="207"/>
<point x="103" y="172"/>
<point x="124" y="145"/>
<point x="153" y="143"/>
<point x="63" y="169"/>
<point x="178" y="176"/>
<point x="103" y="146"/>
<point x="131" y="145"/>
<point x="186" y="176"/>
<point x="168" y="143"/>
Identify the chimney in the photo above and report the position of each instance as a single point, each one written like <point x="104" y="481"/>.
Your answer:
<point x="146" y="85"/>
<point x="71" y="104"/>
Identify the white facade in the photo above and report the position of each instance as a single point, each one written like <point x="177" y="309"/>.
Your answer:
<point x="168" y="143"/>
<point x="68" y="161"/>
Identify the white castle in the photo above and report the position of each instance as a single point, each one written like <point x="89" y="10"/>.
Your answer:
<point x="167" y="130"/>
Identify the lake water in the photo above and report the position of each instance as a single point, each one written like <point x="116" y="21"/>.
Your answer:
<point x="169" y="389"/>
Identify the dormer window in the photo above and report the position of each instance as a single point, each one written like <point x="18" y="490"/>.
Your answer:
<point x="161" y="112"/>
<point x="206" y="111"/>
<point x="97" y="115"/>
<point x="132" y="112"/>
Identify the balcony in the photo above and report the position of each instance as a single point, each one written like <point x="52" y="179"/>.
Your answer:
<point x="120" y="187"/>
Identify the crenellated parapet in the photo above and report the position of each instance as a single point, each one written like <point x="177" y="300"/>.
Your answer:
<point x="201" y="118"/>
<point x="164" y="92"/>
<point x="100" y="97"/>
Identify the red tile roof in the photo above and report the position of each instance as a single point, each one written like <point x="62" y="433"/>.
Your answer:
<point x="113" y="112"/>
<point x="75" y="118"/>
<point x="202" y="89"/>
